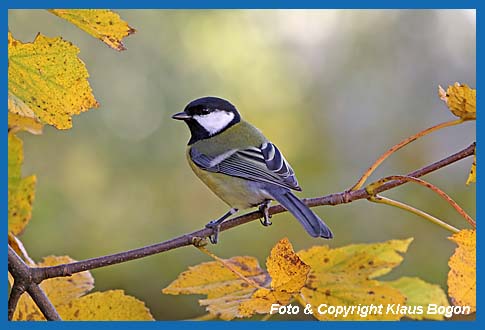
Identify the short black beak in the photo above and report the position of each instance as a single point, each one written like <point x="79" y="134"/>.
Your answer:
<point x="181" y="116"/>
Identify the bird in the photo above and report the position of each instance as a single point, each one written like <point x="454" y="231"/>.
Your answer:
<point x="241" y="166"/>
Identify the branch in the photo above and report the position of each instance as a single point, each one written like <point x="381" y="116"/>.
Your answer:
<point x="24" y="281"/>
<point x="42" y="273"/>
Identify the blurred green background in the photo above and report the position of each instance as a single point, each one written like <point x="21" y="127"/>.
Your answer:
<point x="332" y="88"/>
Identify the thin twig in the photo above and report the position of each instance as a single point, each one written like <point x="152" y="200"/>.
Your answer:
<point x="398" y="146"/>
<point x="333" y="199"/>
<point x="371" y="187"/>
<point x="406" y="207"/>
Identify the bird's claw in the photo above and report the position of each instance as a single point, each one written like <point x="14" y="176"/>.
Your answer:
<point x="215" y="226"/>
<point x="263" y="208"/>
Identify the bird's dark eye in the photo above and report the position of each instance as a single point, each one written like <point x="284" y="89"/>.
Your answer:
<point x="205" y="111"/>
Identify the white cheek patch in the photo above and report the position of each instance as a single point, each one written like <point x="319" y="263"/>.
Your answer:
<point x="215" y="121"/>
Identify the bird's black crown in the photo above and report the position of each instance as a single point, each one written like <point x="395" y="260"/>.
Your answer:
<point x="208" y="104"/>
<point x="204" y="106"/>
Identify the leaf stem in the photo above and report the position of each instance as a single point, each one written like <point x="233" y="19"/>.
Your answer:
<point x="391" y="202"/>
<point x="426" y="184"/>
<point x="229" y="266"/>
<point x="398" y="146"/>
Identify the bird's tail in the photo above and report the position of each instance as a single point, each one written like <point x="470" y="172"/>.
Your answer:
<point x="310" y="221"/>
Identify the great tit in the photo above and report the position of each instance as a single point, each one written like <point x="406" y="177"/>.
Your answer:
<point x="240" y="165"/>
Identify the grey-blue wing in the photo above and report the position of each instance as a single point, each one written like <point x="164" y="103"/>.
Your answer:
<point x="263" y="164"/>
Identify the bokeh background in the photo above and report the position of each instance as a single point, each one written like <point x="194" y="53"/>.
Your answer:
<point x="332" y="88"/>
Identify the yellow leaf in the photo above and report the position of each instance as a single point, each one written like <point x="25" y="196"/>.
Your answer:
<point x="111" y="305"/>
<point x="215" y="280"/>
<point x="60" y="290"/>
<point x="48" y="78"/>
<point x="472" y="177"/>
<point x="343" y="277"/>
<point x="287" y="271"/>
<point x="419" y="296"/>
<point x="363" y="260"/>
<point x="317" y="276"/>
<point x="461" y="100"/>
<point x="462" y="280"/>
<point x="288" y="276"/>
<point x="21" y="191"/>
<point x="103" y="24"/>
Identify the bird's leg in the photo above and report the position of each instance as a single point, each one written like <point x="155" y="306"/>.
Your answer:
<point x="263" y="208"/>
<point x="215" y="225"/>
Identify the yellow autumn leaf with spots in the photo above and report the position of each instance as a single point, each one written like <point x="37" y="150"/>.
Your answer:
<point x="288" y="276"/>
<point x="419" y="295"/>
<point x="68" y="295"/>
<point x="112" y="305"/>
<point x="21" y="191"/>
<point x="472" y="177"/>
<point x="47" y="81"/>
<point x="344" y="277"/>
<point x="462" y="280"/>
<point x="461" y="100"/>
<point x="102" y="24"/>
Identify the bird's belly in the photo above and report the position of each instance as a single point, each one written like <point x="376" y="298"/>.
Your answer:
<point x="236" y="192"/>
